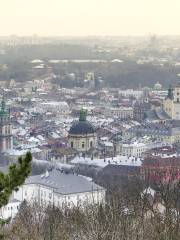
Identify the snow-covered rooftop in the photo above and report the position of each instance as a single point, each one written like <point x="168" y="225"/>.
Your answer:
<point x="119" y="160"/>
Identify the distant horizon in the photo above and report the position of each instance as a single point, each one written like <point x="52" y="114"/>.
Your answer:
<point x="84" y="36"/>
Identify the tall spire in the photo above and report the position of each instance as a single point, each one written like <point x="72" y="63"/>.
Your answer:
<point x="170" y="93"/>
<point x="3" y="109"/>
<point x="83" y="115"/>
<point x="3" y="105"/>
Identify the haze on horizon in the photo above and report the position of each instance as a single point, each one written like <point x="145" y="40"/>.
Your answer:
<point x="89" y="17"/>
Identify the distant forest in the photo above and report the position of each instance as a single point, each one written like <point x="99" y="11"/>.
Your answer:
<point x="16" y="64"/>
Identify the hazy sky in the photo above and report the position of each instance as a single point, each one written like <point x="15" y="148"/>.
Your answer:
<point x="89" y="17"/>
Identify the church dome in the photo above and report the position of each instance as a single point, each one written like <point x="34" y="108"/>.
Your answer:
<point x="82" y="127"/>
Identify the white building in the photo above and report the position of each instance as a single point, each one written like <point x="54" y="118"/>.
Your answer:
<point x="134" y="149"/>
<point x="60" y="189"/>
<point x="131" y="93"/>
<point x="61" y="108"/>
<point x="122" y="112"/>
<point x="10" y="210"/>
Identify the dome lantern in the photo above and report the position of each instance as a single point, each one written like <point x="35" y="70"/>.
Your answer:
<point x="83" y="115"/>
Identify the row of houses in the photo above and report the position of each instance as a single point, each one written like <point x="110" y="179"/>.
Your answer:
<point x="164" y="131"/>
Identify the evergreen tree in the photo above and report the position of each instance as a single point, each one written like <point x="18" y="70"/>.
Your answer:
<point x="10" y="182"/>
<point x="15" y="177"/>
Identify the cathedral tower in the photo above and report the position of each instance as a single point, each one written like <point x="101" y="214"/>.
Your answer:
<point x="6" y="139"/>
<point x="171" y="104"/>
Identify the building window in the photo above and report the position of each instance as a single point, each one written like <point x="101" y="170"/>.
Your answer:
<point x="72" y="144"/>
<point x="82" y="144"/>
<point x="91" y="143"/>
